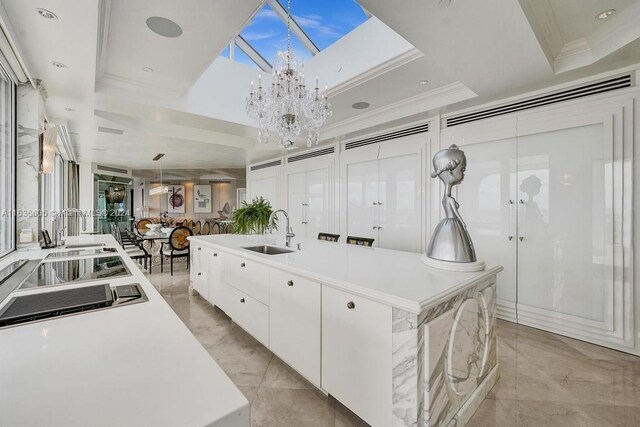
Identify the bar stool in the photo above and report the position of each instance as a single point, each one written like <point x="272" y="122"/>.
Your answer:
<point x="360" y="241"/>
<point x="328" y="237"/>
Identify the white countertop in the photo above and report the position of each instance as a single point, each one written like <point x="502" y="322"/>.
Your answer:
<point x="395" y="278"/>
<point x="134" y="365"/>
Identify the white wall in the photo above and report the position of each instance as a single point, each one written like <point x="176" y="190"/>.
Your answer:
<point x="86" y="191"/>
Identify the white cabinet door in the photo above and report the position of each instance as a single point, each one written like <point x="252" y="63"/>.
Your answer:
<point x="362" y="193"/>
<point x="198" y="271"/>
<point x="565" y="196"/>
<point x="294" y="322"/>
<point x="318" y="204"/>
<point x="399" y="203"/>
<point x="356" y="354"/>
<point x="249" y="313"/>
<point x="296" y="203"/>
<point x="488" y="205"/>
<point x="248" y="276"/>
<point x="214" y="260"/>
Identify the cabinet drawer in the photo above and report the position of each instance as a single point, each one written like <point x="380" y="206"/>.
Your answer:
<point x="248" y="276"/>
<point x="356" y="354"/>
<point x="249" y="313"/>
<point x="294" y="322"/>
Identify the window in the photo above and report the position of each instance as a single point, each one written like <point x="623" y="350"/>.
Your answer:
<point x="7" y="164"/>
<point x="315" y="25"/>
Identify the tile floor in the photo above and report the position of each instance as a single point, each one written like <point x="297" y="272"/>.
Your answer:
<point x="546" y="380"/>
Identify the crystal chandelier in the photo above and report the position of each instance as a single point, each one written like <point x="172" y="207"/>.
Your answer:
<point x="288" y="107"/>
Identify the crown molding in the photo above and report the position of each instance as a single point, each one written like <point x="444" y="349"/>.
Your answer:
<point x="436" y="98"/>
<point x="395" y="62"/>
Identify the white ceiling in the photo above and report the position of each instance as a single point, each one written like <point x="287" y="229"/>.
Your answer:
<point x="191" y="106"/>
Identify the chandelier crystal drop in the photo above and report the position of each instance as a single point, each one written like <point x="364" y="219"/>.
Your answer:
<point x="287" y="107"/>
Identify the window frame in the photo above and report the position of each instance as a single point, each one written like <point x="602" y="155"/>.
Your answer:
<point x="14" y="161"/>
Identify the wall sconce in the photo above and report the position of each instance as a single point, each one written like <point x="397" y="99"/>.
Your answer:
<point x="48" y="142"/>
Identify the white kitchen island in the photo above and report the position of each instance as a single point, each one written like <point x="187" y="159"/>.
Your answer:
<point x="135" y="365"/>
<point x="397" y="342"/>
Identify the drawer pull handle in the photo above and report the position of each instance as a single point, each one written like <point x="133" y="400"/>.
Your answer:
<point x="351" y="305"/>
<point x="215" y="254"/>
<point x="199" y="274"/>
<point x="242" y="264"/>
<point x="242" y="300"/>
<point x="290" y="283"/>
<point x="199" y="249"/>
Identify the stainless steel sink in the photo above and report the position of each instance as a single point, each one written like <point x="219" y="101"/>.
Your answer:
<point x="268" y="250"/>
<point x="84" y="245"/>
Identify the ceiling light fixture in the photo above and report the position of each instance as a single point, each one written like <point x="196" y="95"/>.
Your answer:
<point x="46" y="14"/>
<point x="58" y="64"/>
<point x="288" y="107"/>
<point x="360" y="105"/>
<point x="164" y="27"/>
<point x="607" y="13"/>
<point x="147" y="69"/>
<point x="162" y="188"/>
<point x="424" y="82"/>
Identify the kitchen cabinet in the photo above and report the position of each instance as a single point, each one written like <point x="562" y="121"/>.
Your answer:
<point x="544" y="196"/>
<point x="265" y="180"/>
<point x="310" y="192"/>
<point x="198" y="278"/>
<point x="214" y="261"/>
<point x="356" y="354"/>
<point x="248" y="276"/>
<point x="249" y="313"/>
<point x="382" y="193"/>
<point x="294" y="322"/>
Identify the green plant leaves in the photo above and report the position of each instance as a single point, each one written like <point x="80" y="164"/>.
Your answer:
<point x="253" y="218"/>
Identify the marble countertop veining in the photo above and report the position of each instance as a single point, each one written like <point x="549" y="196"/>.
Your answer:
<point x="395" y="278"/>
<point x="127" y="366"/>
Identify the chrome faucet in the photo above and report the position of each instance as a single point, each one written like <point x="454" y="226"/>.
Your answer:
<point x="289" y="232"/>
<point x="57" y="229"/>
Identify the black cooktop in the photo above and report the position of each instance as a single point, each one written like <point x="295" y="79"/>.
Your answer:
<point x="76" y="270"/>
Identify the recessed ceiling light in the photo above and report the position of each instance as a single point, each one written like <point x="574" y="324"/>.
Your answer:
<point x="46" y="13"/>
<point x="361" y="105"/>
<point x="147" y="69"/>
<point x="424" y="82"/>
<point x="164" y="27"/>
<point x="98" y="149"/>
<point x="69" y="109"/>
<point x="605" y="14"/>
<point x="444" y="3"/>
<point x="58" y="64"/>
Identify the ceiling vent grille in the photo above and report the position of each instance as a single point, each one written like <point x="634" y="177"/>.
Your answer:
<point x="312" y="154"/>
<point x="615" y="83"/>
<point x="387" y="136"/>
<point x="266" y="165"/>
<point x="103" y="168"/>
<point x="114" y="131"/>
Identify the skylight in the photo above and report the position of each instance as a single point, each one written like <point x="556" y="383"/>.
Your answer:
<point x="315" y="26"/>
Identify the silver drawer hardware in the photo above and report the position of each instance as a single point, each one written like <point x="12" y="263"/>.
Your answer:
<point x="199" y="274"/>
<point x="199" y="249"/>
<point x="290" y="283"/>
<point x="242" y="264"/>
<point x="351" y="305"/>
<point x="510" y="238"/>
<point x="521" y="238"/>
<point x="242" y="300"/>
<point x="215" y="254"/>
<point x="521" y="202"/>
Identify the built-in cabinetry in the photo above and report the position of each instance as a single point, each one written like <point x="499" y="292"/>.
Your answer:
<point x="382" y="192"/>
<point x="309" y="180"/>
<point x="265" y="180"/>
<point x="364" y="351"/>
<point x="372" y="189"/>
<point x="545" y="196"/>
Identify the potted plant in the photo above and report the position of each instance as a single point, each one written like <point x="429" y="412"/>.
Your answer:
<point x="253" y="218"/>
